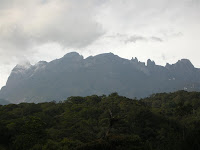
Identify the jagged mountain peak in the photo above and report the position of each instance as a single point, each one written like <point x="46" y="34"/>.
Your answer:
<point x="186" y="62"/>
<point x="105" y="73"/>
<point x="106" y="55"/>
<point x="181" y="64"/>
<point x="41" y="63"/>
<point x="150" y="63"/>
<point x="103" y="58"/>
<point x="134" y="59"/>
<point x="71" y="55"/>
<point x="21" y="67"/>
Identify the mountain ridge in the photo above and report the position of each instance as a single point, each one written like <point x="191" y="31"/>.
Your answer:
<point x="73" y="75"/>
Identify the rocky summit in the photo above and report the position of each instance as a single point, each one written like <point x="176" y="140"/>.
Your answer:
<point x="72" y="75"/>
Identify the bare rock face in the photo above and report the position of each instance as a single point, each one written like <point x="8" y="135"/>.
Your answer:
<point x="72" y="75"/>
<point x="150" y="63"/>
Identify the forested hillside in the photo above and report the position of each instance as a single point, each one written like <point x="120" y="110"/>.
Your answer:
<point x="159" y="122"/>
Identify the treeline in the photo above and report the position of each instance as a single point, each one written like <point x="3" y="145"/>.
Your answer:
<point x="159" y="122"/>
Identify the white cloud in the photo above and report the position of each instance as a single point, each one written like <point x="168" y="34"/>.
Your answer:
<point x="24" y="24"/>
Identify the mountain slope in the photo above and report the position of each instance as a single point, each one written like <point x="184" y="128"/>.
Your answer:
<point x="73" y="75"/>
<point x="4" y="102"/>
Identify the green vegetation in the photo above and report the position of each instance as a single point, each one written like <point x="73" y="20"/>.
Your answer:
<point x="159" y="122"/>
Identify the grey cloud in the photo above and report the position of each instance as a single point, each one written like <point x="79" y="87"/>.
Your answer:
<point x="135" y="38"/>
<point x="150" y="15"/>
<point x="171" y="33"/>
<point x="157" y="39"/>
<point x="70" y="23"/>
<point x="14" y="39"/>
<point x="117" y="35"/>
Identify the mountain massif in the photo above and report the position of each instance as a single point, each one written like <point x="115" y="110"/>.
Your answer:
<point x="72" y="75"/>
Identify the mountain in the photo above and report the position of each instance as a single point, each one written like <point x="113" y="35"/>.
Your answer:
<point x="4" y="102"/>
<point x="72" y="75"/>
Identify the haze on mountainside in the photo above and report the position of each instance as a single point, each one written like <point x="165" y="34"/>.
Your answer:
<point x="35" y="30"/>
<point x="72" y="75"/>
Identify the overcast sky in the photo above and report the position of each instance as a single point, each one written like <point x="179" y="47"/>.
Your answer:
<point x="34" y="30"/>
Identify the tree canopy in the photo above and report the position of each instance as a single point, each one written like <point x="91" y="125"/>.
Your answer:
<point x="164" y="121"/>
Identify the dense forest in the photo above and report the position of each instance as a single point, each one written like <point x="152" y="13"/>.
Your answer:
<point x="164" y="121"/>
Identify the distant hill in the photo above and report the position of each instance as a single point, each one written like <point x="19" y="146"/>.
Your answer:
<point x="4" y="102"/>
<point x="72" y="75"/>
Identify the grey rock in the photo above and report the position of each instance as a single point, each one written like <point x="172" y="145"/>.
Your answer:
<point x="72" y="75"/>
